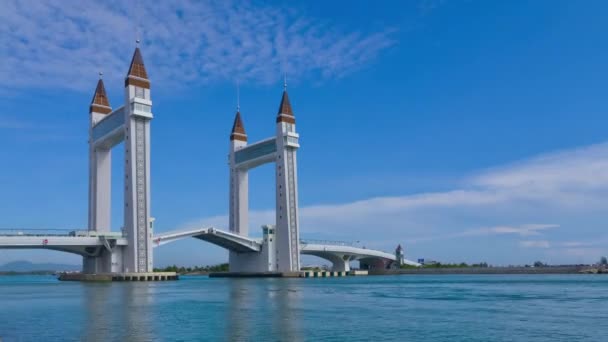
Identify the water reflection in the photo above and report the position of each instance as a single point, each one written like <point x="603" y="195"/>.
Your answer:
<point x="286" y="299"/>
<point x="216" y="309"/>
<point x="98" y="326"/>
<point x="138" y="300"/>
<point x="239" y="308"/>
<point x="119" y="312"/>
<point x="271" y="303"/>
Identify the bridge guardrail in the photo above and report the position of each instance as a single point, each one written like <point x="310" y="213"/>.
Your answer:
<point x="33" y="232"/>
<point x="327" y="242"/>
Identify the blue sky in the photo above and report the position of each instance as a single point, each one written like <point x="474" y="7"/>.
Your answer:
<point x="465" y="130"/>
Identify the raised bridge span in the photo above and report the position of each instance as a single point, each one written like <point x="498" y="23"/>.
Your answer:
<point x="340" y="254"/>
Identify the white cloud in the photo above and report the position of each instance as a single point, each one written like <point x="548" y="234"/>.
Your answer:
<point x="64" y="44"/>
<point x="535" y="244"/>
<point x="524" y="230"/>
<point x="573" y="177"/>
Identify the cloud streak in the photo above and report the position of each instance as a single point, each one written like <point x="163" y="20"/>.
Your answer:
<point x="64" y="44"/>
<point x="535" y="244"/>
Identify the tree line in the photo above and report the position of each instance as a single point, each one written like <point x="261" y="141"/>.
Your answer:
<point x="203" y="269"/>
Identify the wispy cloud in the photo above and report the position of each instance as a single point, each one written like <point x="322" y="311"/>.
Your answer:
<point x="535" y="244"/>
<point x="524" y="230"/>
<point x="63" y="44"/>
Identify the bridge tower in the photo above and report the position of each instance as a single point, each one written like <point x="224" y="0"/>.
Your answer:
<point x="287" y="216"/>
<point x="129" y="123"/>
<point x="100" y="163"/>
<point x="281" y="251"/>
<point x="138" y="114"/>
<point x="239" y="189"/>
<point x="100" y="179"/>
<point x="399" y="256"/>
<point x="238" y="218"/>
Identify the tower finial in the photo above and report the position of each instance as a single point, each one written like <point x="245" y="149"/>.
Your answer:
<point x="137" y="21"/>
<point x="100" y="75"/>
<point x="238" y="97"/>
<point x="285" y="81"/>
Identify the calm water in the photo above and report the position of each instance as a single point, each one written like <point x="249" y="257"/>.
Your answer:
<point x="404" y="308"/>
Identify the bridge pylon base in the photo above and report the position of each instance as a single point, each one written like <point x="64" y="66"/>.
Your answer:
<point x="108" y="261"/>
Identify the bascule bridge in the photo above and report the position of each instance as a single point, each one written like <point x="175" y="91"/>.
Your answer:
<point x="130" y="251"/>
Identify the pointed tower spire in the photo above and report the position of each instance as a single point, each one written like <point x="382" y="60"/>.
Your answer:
<point x="238" y="129"/>
<point x="100" y="102"/>
<point x="285" y="113"/>
<point x="137" y="75"/>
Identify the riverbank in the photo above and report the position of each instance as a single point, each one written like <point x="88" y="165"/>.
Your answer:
<point x="494" y="270"/>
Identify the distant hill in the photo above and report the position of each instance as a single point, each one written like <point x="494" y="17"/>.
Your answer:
<point x="26" y="266"/>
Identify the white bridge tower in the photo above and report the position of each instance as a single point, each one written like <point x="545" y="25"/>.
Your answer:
<point x="129" y="123"/>
<point x="282" y="248"/>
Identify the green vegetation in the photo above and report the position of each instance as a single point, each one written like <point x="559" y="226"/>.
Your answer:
<point x="314" y="269"/>
<point x="195" y="269"/>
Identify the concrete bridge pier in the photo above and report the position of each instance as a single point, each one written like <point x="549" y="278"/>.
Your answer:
<point x="340" y="262"/>
<point x="106" y="261"/>
<point x="263" y="261"/>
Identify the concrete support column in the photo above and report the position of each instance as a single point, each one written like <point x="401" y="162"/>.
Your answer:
<point x="239" y="202"/>
<point x="340" y="263"/>
<point x="100" y="185"/>
<point x="287" y="216"/>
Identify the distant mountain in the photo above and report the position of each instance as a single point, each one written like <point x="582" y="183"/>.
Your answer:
<point x="26" y="266"/>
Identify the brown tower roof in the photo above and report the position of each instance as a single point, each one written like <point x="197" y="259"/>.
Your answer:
<point x="238" y="129"/>
<point x="100" y="102"/>
<point x="285" y="112"/>
<point x="137" y="74"/>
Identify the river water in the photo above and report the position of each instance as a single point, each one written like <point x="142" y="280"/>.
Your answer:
<point x="374" y="308"/>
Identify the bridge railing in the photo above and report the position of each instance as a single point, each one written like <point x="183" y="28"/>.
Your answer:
<point x="327" y="242"/>
<point x="34" y="232"/>
<point x="339" y="243"/>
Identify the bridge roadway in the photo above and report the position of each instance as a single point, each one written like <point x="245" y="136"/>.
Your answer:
<point x="339" y="254"/>
<point x="81" y="245"/>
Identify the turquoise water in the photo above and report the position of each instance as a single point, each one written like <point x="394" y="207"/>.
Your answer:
<point x="397" y="308"/>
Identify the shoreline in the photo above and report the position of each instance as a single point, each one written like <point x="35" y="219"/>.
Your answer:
<point x="418" y="271"/>
<point x="493" y="270"/>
